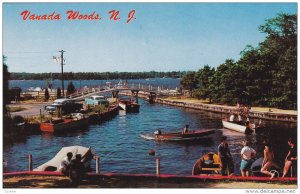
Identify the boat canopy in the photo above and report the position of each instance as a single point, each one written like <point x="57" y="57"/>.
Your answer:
<point x="54" y="163"/>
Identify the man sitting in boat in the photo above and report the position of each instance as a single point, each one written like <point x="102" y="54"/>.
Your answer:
<point x="157" y="132"/>
<point x="186" y="129"/>
<point x="231" y="118"/>
<point x="240" y="119"/>
<point x="65" y="164"/>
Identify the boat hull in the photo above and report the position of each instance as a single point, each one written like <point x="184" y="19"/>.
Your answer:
<point x="129" y="106"/>
<point x="236" y="127"/>
<point x="65" y="126"/>
<point x="177" y="136"/>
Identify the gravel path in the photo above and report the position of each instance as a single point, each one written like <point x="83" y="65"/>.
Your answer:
<point x="31" y="109"/>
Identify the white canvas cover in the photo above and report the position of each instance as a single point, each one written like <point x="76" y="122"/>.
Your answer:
<point x="55" y="162"/>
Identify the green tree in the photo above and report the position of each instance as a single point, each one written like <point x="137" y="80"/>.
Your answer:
<point x="281" y="47"/>
<point x="71" y="88"/>
<point x="203" y="76"/>
<point x="58" y="93"/>
<point x="189" y="82"/>
<point x="6" y="76"/>
<point x="47" y="96"/>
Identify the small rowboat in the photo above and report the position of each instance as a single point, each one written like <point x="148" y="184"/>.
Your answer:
<point x="179" y="136"/>
<point x="208" y="164"/>
<point x="238" y="127"/>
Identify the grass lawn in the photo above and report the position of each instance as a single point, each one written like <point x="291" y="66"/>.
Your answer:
<point x="15" y="108"/>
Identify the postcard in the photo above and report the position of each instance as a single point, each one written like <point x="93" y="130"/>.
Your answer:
<point x="150" y="95"/>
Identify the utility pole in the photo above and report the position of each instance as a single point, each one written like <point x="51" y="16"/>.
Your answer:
<point x="62" y="72"/>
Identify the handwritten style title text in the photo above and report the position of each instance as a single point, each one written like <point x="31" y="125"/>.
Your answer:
<point x="114" y="15"/>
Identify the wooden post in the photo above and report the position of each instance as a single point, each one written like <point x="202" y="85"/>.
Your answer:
<point x="157" y="166"/>
<point x="97" y="164"/>
<point x="30" y="162"/>
<point x="41" y="115"/>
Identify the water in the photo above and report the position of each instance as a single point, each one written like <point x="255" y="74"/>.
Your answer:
<point x="122" y="150"/>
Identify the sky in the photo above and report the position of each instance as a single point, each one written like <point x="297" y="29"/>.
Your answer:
<point x="162" y="37"/>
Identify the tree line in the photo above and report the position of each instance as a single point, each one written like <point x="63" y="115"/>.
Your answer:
<point x="265" y="75"/>
<point x="95" y="75"/>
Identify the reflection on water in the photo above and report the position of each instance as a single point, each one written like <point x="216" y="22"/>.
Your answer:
<point x="122" y="150"/>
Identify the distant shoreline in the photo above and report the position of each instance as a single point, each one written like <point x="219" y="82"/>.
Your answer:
<point x="96" y="75"/>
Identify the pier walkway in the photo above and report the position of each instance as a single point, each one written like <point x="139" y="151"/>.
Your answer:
<point x="134" y="88"/>
<point x="255" y="112"/>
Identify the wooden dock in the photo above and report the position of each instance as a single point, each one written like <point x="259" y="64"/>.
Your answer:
<point x="228" y="110"/>
<point x="118" y="180"/>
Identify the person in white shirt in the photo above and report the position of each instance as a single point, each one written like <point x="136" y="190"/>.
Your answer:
<point x="240" y="118"/>
<point x="231" y="118"/>
<point x="65" y="164"/>
<point x="247" y="154"/>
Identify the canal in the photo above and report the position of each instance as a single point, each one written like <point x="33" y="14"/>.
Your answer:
<point x="122" y="150"/>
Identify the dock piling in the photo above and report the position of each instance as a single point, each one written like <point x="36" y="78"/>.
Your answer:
<point x="41" y="115"/>
<point x="157" y="166"/>
<point x="30" y="162"/>
<point x="97" y="158"/>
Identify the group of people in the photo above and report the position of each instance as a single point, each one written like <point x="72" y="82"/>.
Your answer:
<point x="73" y="168"/>
<point x="248" y="156"/>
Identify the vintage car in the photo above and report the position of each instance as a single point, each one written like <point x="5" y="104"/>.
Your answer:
<point x="67" y="106"/>
<point x="97" y="100"/>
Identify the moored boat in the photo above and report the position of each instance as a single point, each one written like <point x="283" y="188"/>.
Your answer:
<point x="207" y="164"/>
<point x="54" y="163"/>
<point x="129" y="106"/>
<point x="249" y="128"/>
<point x="179" y="136"/>
<point x="74" y="122"/>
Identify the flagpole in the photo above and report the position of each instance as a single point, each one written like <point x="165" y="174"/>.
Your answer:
<point x="62" y="72"/>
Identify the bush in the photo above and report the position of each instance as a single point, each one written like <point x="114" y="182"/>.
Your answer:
<point x="71" y="88"/>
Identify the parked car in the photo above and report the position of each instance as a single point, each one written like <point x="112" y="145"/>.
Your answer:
<point x="97" y="100"/>
<point x="67" y="106"/>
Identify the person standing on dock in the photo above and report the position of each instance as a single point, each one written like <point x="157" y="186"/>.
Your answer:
<point x="291" y="157"/>
<point x="247" y="154"/>
<point x="225" y="157"/>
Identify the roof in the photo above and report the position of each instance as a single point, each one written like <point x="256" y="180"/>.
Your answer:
<point x="61" y="100"/>
<point x="97" y="96"/>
